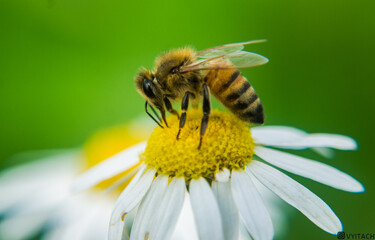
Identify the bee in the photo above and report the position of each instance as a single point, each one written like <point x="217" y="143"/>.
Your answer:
<point x="186" y="75"/>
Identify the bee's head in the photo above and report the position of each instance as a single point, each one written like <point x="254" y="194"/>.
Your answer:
<point x="167" y="66"/>
<point x="149" y="88"/>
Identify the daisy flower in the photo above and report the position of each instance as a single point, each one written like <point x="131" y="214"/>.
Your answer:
<point x="36" y="197"/>
<point x="219" y="179"/>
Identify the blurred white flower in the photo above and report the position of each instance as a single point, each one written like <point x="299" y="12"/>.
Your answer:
<point x="36" y="196"/>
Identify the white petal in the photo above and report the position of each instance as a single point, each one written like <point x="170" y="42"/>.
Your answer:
<point x="244" y="234"/>
<point x="275" y="206"/>
<point x="310" y="169"/>
<point x="228" y="209"/>
<point x="145" y="217"/>
<point x="128" y="199"/>
<point x="276" y="134"/>
<point x="288" y="137"/>
<point x="167" y="214"/>
<point x="223" y="176"/>
<point x="327" y="140"/>
<point x="125" y="236"/>
<point x="134" y="181"/>
<point x="109" y="168"/>
<point x="206" y="210"/>
<point x="251" y="207"/>
<point x="297" y="195"/>
<point x="128" y="223"/>
<point x="121" y="181"/>
<point x="185" y="228"/>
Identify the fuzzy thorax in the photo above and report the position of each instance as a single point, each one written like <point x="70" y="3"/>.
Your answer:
<point x="227" y="143"/>
<point x="175" y="58"/>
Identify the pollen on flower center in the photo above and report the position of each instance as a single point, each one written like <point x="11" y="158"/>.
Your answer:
<point x="227" y="143"/>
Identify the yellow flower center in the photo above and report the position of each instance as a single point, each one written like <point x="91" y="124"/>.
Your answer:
<point x="227" y="143"/>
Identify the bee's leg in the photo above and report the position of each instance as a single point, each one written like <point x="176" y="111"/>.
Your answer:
<point x="184" y="107"/>
<point x="168" y="105"/>
<point x="162" y="111"/>
<point x="206" y="112"/>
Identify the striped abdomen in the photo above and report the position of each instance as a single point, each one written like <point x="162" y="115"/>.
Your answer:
<point x="236" y="93"/>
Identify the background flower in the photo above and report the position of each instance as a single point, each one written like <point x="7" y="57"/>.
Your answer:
<point x="37" y="202"/>
<point x="36" y="198"/>
<point x="67" y="68"/>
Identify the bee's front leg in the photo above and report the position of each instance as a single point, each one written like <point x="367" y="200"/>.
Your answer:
<point x="169" y="107"/>
<point x="184" y="107"/>
<point x="206" y="112"/>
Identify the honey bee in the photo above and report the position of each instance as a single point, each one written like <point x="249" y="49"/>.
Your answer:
<point x="186" y="75"/>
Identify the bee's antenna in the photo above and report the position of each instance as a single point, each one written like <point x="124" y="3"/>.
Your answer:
<point x="146" y="104"/>
<point x="156" y="113"/>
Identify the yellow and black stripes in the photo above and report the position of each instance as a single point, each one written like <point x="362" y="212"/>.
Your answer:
<point x="229" y="81"/>
<point x="236" y="93"/>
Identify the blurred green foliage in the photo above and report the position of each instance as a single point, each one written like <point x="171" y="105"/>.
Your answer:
<point x="67" y="68"/>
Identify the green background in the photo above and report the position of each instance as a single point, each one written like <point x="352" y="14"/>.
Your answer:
<point x="67" y="69"/>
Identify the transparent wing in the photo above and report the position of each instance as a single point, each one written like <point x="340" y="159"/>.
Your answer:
<point x="225" y="49"/>
<point x="241" y="59"/>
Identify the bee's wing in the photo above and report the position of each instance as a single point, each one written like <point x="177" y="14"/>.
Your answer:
<point x="225" y="49"/>
<point x="241" y="59"/>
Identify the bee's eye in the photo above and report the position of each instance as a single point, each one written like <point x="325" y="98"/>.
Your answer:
<point x="147" y="88"/>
